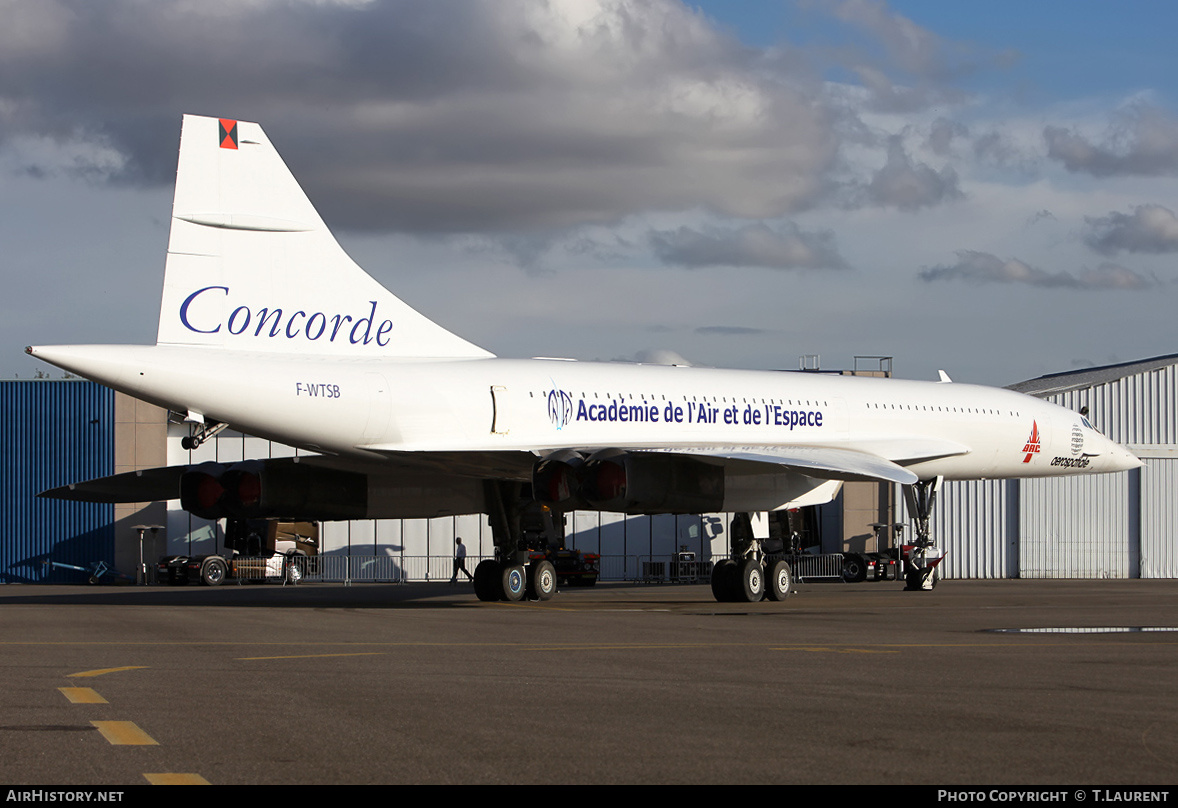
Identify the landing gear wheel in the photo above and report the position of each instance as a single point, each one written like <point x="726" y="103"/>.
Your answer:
<point x="752" y="581"/>
<point x="916" y="580"/>
<point x="780" y="581"/>
<point x="213" y="572"/>
<point x="541" y="580"/>
<point x="723" y="575"/>
<point x="488" y="584"/>
<point x="514" y="582"/>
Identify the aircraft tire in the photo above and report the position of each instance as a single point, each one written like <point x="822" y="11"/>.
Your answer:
<point x="541" y="580"/>
<point x="488" y="583"/>
<point x="752" y="582"/>
<point x="914" y="581"/>
<point x="723" y="575"/>
<point x="514" y="582"/>
<point x="779" y="582"/>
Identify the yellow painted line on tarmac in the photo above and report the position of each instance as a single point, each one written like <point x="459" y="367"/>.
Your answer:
<point x="310" y="656"/>
<point x="104" y="671"/>
<point x="615" y="647"/>
<point x="82" y="695"/>
<point x="826" y="650"/>
<point x="176" y="779"/>
<point x="124" y="733"/>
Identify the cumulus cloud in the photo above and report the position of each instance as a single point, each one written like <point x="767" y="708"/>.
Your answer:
<point x="908" y="185"/>
<point x="982" y="268"/>
<point x="887" y="95"/>
<point x="999" y="150"/>
<point x="1148" y="229"/>
<point x="927" y="62"/>
<point x="447" y="116"/>
<point x="942" y="134"/>
<point x="755" y="245"/>
<point x="1142" y="141"/>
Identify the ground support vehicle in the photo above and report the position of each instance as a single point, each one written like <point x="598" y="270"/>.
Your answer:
<point x="859" y="567"/>
<point x="573" y="567"/>
<point x="882" y="565"/>
<point x="255" y="550"/>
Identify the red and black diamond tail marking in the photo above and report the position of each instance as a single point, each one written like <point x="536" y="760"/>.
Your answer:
<point x="228" y="134"/>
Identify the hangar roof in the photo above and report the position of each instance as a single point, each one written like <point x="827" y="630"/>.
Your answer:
<point x="1054" y="383"/>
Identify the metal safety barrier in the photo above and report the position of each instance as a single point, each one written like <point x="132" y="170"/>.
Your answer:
<point x="673" y="569"/>
<point x="816" y="567"/>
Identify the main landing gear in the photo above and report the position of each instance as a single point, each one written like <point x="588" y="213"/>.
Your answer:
<point x="511" y="575"/>
<point x="922" y="556"/>
<point x="750" y="575"/>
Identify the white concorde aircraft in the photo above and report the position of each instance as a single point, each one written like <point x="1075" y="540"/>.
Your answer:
<point x="268" y="327"/>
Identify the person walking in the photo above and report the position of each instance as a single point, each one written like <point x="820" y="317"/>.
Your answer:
<point x="459" y="561"/>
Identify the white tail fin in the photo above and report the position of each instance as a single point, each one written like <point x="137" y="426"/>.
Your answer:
<point x="251" y="265"/>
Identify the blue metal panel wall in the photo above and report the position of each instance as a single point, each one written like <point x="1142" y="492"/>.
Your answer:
<point x="53" y="433"/>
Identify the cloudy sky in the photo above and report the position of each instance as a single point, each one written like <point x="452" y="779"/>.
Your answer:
<point x="988" y="188"/>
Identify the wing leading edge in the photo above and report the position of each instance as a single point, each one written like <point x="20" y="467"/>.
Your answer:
<point x="827" y="464"/>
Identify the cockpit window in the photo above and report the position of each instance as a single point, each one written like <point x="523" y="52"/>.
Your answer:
<point x="1087" y="423"/>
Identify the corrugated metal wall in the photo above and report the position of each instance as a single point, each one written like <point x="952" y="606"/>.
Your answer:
<point x="1140" y="411"/>
<point x="1136" y="410"/>
<point x="1078" y="527"/>
<point x="976" y="523"/>
<point x="1159" y="518"/>
<point x="1104" y="526"/>
<point x="53" y="433"/>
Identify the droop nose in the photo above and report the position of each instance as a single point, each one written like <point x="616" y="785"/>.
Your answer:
<point x="1116" y="457"/>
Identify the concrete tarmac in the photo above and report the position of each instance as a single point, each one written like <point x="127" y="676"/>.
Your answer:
<point x="977" y="682"/>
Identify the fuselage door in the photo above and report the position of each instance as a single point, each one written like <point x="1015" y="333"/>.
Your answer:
<point x="499" y="410"/>
<point x="380" y="407"/>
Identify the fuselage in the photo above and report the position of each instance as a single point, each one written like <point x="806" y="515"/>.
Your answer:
<point x="369" y="406"/>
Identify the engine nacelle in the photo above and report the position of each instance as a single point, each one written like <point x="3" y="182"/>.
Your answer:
<point x="641" y="482"/>
<point x="556" y="480"/>
<point x="253" y="490"/>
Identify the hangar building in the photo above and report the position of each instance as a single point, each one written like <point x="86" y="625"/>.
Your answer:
<point x="1103" y="526"/>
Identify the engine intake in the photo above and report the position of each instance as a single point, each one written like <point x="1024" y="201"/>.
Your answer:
<point x="556" y="480"/>
<point x="629" y="482"/>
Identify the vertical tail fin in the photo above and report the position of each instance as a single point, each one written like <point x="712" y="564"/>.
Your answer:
<point x="252" y="266"/>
